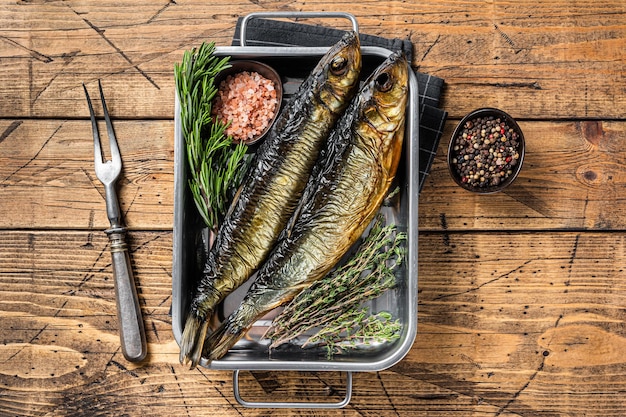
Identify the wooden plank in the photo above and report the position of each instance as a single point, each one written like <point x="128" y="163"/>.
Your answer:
<point x="47" y="177"/>
<point x="498" y="300"/>
<point x="548" y="60"/>
<point x="572" y="178"/>
<point x="521" y="294"/>
<point x="509" y="324"/>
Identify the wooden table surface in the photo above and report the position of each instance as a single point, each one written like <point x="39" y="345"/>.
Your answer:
<point x="522" y="294"/>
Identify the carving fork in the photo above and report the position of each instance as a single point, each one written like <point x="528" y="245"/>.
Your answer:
<point x="132" y="334"/>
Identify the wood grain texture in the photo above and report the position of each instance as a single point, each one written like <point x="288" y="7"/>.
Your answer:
<point x="554" y="59"/>
<point x="572" y="178"/>
<point x="47" y="169"/>
<point x="521" y="294"/>
<point x="534" y="328"/>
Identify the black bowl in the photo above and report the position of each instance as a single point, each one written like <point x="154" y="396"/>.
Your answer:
<point x="486" y="151"/>
<point x="265" y="71"/>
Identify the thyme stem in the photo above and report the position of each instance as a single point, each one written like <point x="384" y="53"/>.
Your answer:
<point x="334" y="304"/>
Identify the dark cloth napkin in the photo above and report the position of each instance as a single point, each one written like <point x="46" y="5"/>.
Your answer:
<point x="270" y="32"/>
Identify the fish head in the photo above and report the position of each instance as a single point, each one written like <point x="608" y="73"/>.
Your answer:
<point x="338" y="73"/>
<point x="383" y="109"/>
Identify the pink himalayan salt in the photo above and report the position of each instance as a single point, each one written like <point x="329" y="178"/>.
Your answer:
<point x="248" y="100"/>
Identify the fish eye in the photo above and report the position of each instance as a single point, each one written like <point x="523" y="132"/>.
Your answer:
<point x="384" y="82"/>
<point x="339" y="66"/>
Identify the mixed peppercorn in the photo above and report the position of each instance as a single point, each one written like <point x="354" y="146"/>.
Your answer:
<point x="485" y="152"/>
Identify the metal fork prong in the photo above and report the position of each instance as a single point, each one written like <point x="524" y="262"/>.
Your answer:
<point x="115" y="150"/>
<point x="132" y="332"/>
<point x="96" y="137"/>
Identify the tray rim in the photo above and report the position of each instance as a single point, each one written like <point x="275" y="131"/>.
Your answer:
<point x="412" y="161"/>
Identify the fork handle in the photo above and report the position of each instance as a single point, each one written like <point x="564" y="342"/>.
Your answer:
<point x="132" y="334"/>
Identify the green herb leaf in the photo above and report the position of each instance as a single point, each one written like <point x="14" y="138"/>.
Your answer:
<point x="334" y="303"/>
<point x="216" y="165"/>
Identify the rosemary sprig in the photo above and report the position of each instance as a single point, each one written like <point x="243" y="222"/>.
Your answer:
<point x="215" y="166"/>
<point x="334" y="303"/>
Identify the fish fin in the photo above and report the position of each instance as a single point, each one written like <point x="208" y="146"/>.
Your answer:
<point x="233" y="203"/>
<point x="192" y="340"/>
<point x="225" y="337"/>
<point x="286" y="233"/>
<point x="230" y="331"/>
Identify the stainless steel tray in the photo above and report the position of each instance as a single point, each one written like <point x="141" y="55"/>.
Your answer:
<point x="294" y="63"/>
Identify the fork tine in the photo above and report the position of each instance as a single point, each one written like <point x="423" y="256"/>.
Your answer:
<point x="94" y="127"/>
<point x="115" y="151"/>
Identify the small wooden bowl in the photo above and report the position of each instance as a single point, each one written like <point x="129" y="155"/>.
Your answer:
<point x="466" y="156"/>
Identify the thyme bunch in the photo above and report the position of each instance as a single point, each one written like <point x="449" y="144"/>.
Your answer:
<point x="215" y="165"/>
<point x="356" y="327"/>
<point x="334" y="303"/>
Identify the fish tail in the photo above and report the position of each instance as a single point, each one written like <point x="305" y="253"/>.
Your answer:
<point x="192" y="340"/>
<point x="229" y="332"/>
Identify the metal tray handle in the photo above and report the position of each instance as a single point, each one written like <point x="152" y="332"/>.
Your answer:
<point x="306" y="15"/>
<point x="261" y="404"/>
